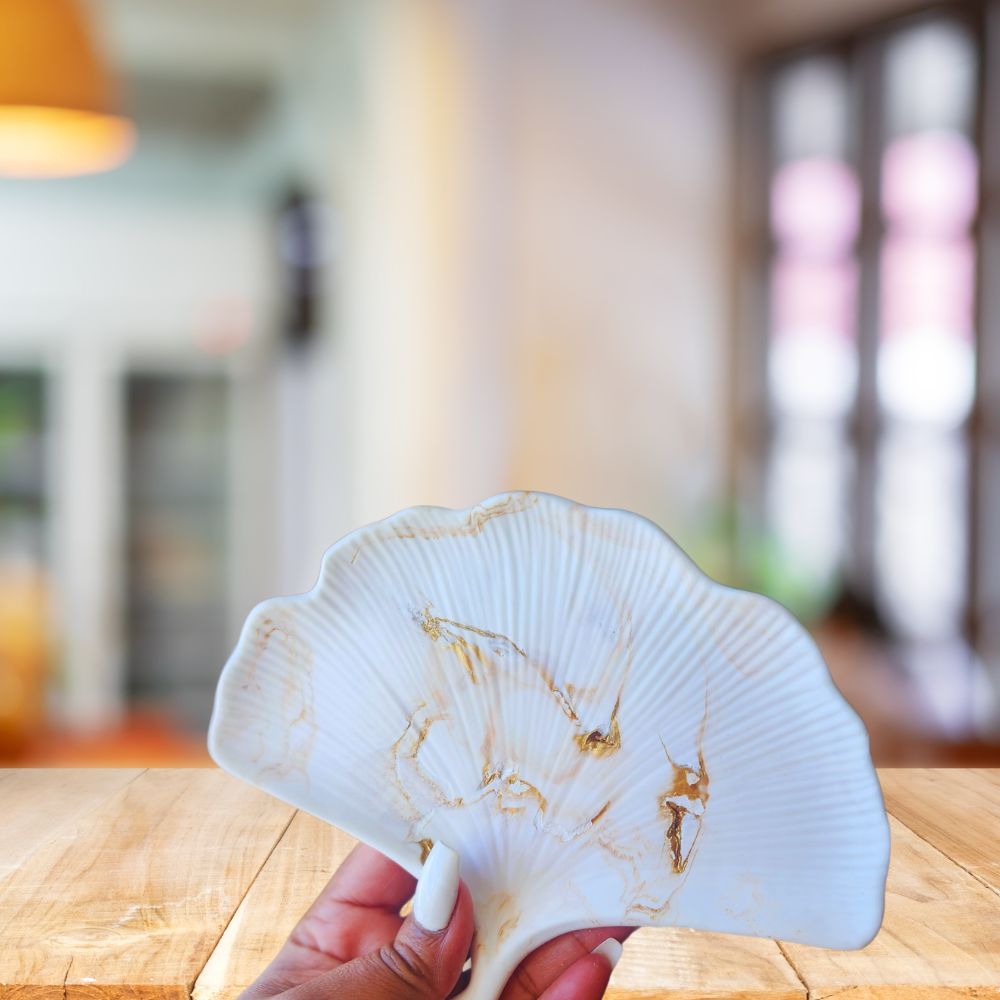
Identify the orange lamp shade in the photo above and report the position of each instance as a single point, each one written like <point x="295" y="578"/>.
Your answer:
<point x="57" y="100"/>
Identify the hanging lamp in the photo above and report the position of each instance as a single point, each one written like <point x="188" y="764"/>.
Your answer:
<point x="58" y="116"/>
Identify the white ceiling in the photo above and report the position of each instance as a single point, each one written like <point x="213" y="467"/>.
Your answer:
<point x="208" y="66"/>
<point x="221" y="38"/>
<point x="202" y="70"/>
<point x="250" y="38"/>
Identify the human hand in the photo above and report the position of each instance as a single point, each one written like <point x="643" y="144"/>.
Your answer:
<point x="353" y="943"/>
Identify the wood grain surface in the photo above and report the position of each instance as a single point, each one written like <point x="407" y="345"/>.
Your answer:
<point x="296" y="871"/>
<point x="957" y="811"/>
<point x="656" y="962"/>
<point x="133" y="900"/>
<point x="172" y="883"/>
<point x="39" y="806"/>
<point x="940" y="935"/>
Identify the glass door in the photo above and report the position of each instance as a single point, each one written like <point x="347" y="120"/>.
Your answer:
<point x="24" y="577"/>
<point x="176" y="486"/>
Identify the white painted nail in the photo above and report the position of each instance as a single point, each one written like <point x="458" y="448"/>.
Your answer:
<point x="437" y="889"/>
<point x="611" y="950"/>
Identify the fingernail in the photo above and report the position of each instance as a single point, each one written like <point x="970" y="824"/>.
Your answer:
<point x="437" y="889"/>
<point x="610" y="949"/>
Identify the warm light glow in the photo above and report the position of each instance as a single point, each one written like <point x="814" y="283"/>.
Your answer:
<point x="927" y="376"/>
<point x="812" y="361"/>
<point x="58" y="142"/>
<point x="58" y="100"/>
<point x="813" y="373"/>
<point x="930" y="183"/>
<point x="921" y="546"/>
<point x="816" y="206"/>
<point x="926" y="359"/>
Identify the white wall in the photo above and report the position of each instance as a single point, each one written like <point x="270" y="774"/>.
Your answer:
<point x="540" y="258"/>
<point x="621" y="254"/>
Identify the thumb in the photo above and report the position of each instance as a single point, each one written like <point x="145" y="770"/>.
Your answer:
<point x="425" y="960"/>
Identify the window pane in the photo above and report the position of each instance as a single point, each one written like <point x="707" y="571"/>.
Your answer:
<point x="811" y="110"/>
<point x="24" y="580"/>
<point x="929" y="183"/>
<point x="815" y="213"/>
<point x="930" y="75"/>
<point x="815" y="205"/>
<point x="926" y="360"/>
<point x="810" y="475"/>
<point x="926" y="356"/>
<point x="921" y="542"/>
<point x="176" y="532"/>
<point x="812" y="362"/>
<point x="22" y="468"/>
<point x="926" y="363"/>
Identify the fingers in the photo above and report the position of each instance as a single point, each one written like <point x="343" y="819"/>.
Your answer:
<point x="426" y="957"/>
<point x="422" y="957"/>
<point x="358" y="910"/>
<point x="587" y="978"/>
<point x="367" y="878"/>
<point x="356" y="913"/>
<point x="544" y="966"/>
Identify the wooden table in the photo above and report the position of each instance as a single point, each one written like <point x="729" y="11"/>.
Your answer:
<point x="183" y="883"/>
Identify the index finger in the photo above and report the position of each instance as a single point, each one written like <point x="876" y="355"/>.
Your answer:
<point x="368" y="879"/>
<point x="356" y="912"/>
<point x="546" y="964"/>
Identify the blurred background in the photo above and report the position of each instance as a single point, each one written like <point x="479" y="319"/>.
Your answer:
<point x="270" y="269"/>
